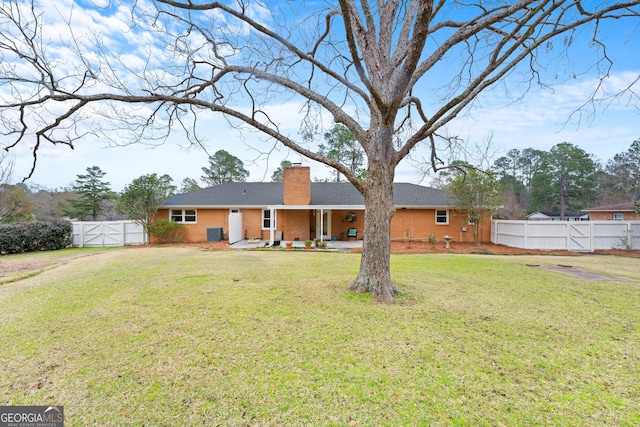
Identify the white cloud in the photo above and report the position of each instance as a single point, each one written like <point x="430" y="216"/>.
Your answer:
<point x="540" y="120"/>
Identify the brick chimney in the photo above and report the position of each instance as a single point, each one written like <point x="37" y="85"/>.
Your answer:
<point x="297" y="185"/>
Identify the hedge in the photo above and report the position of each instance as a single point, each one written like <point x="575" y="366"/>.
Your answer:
<point x="35" y="236"/>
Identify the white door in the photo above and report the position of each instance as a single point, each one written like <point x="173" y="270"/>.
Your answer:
<point x="235" y="227"/>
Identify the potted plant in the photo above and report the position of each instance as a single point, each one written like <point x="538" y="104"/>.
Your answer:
<point x="307" y="244"/>
<point x="289" y="245"/>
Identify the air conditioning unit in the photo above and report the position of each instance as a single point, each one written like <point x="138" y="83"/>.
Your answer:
<point x="214" y="234"/>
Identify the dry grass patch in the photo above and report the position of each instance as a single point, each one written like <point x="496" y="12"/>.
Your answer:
<point x="178" y="336"/>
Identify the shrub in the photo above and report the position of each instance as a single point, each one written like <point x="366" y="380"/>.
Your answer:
<point x="432" y="239"/>
<point x="165" y="231"/>
<point x="35" y="236"/>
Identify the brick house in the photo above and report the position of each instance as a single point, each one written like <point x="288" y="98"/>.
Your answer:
<point x="616" y="212"/>
<point x="298" y="209"/>
<point x="555" y="216"/>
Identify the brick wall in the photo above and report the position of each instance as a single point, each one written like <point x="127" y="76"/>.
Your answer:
<point x="294" y="224"/>
<point x="297" y="185"/>
<point x="205" y="218"/>
<point x="211" y="218"/>
<point x="608" y="216"/>
<point x="252" y="224"/>
<point x="419" y="223"/>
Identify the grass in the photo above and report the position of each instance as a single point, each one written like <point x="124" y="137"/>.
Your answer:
<point x="20" y="266"/>
<point x="177" y="336"/>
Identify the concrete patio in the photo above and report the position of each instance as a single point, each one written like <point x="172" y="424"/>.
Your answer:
<point x="331" y="244"/>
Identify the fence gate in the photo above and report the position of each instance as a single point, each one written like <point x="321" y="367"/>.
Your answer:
<point x="579" y="236"/>
<point x="113" y="234"/>
<point x="108" y="233"/>
<point x="92" y="234"/>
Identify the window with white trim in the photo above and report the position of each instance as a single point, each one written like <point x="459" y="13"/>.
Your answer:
<point x="182" y="215"/>
<point x="618" y="217"/>
<point x="442" y="216"/>
<point x="266" y="219"/>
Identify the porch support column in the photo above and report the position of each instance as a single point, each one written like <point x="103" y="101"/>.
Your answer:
<point x="272" y="226"/>
<point x="321" y="225"/>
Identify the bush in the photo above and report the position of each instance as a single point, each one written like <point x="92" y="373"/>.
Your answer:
<point x="432" y="239"/>
<point x="165" y="231"/>
<point x="35" y="236"/>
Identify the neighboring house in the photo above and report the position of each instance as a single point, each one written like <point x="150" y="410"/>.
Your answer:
<point x="298" y="209"/>
<point x="617" y="212"/>
<point x="555" y="216"/>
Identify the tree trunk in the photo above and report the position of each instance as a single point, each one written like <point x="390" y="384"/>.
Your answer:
<point x="563" y="189"/>
<point x="374" y="276"/>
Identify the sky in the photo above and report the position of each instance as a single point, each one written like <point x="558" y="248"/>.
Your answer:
<point x="542" y="119"/>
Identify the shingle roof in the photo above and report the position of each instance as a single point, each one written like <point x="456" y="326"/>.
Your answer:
<point x="557" y="214"/>
<point x="628" y="206"/>
<point x="322" y="194"/>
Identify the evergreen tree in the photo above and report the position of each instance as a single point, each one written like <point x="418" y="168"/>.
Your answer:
<point x="343" y="147"/>
<point x="224" y="167"/>
<point x="278" y="174"/>
<point x="566" y="180"/>
<point x="621" y="180"/>
<point x="189" y="185"/>
<point x="92" y="191"/>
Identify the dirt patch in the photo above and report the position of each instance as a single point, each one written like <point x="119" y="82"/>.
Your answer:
<point x="619" y="252"/>
<point x="13" y="267"/>
<point x="9" y="267"/>
<point x="466" y="248"/>
<point x="580" y="273"/>
<point x="421" y="247"/>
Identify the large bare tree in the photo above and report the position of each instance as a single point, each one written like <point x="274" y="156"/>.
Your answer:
<point x="393" y="72"/>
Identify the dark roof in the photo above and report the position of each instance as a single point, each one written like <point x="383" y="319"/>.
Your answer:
<point x="628" y="206"/>
<point x="557" y="214"/>
<point x="322" y="194"/>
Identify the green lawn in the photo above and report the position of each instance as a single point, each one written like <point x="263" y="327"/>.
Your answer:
<point x="182" y="337"/>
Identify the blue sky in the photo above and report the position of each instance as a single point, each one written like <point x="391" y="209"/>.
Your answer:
<point x="542" y="119"/>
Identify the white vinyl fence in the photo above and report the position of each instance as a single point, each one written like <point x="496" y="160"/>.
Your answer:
<point x="576" y="236"/>
<point x="108" y="233"/>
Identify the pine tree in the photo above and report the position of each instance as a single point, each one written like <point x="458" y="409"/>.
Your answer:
<point x="92" y="191"/>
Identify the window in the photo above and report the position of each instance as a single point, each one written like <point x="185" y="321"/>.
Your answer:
<point x="266" y="218"/>
<point x="442" y="216"/>
<point x="182" y="215"/>
<point x="618" y="217"/>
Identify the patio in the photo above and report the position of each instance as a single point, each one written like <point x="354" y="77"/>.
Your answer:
<point x="331" y="244"/>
